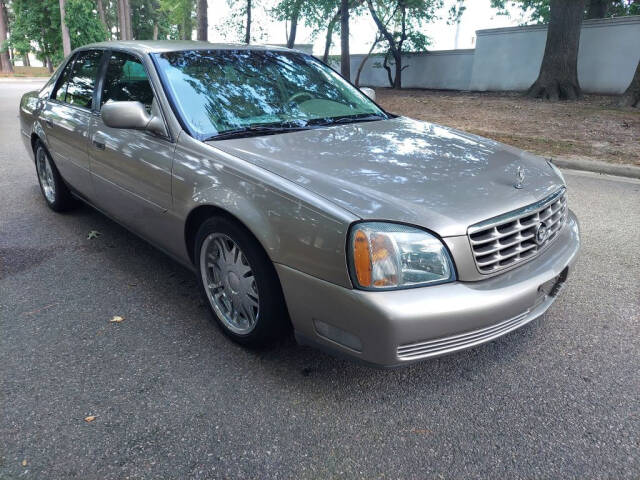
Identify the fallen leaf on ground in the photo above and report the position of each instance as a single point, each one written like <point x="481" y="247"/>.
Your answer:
<point x="93" y="234"/>
<point x="24" y="463"/>
<point x="90" y="418"/>
<point x="117" y="319"/>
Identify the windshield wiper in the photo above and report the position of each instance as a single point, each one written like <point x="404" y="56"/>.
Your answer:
<point x="348" y="119"/>
<point x="255" y="130"/>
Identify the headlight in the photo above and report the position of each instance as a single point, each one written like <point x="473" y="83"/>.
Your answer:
<point x="388" y="255"/>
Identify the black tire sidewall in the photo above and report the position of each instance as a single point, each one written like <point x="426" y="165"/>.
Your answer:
<point x="63" y="199"/>
<point x="272" y="318"/>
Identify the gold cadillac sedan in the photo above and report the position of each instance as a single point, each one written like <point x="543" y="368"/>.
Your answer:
<point x="299" y="202"/>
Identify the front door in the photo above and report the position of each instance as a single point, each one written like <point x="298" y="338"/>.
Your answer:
<point x="131" y="168"/>
<point x="66" y="117"/>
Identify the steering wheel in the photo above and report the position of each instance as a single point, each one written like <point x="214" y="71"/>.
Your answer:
<point x="297" y="95"/>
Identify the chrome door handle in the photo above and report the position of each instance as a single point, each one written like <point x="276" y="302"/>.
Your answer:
<point x="98" y="145"/>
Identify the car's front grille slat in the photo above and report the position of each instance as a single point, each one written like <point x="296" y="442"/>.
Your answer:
<point x="463" y="340"/>
<point x="507" y="240"/>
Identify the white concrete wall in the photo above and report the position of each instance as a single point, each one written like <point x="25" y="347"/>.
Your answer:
<point x="510" y="58"/>
<point x="446" y="69"/>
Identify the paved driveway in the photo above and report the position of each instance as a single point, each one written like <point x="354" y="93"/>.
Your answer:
<point x="174" y="399"/>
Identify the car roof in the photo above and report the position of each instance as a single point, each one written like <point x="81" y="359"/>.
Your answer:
<point x="159" y="46"/>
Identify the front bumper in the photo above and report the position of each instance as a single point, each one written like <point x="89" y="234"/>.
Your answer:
<point x="397" y="327"/>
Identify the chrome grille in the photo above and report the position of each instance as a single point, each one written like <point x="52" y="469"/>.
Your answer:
<point x="507" y="240"/>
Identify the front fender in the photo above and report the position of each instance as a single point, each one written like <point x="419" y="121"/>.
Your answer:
<point x="295" y="227"/>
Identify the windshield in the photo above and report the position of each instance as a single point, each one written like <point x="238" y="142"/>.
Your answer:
<point x="218" y="91"/>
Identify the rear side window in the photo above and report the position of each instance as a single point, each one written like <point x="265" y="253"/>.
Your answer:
<point x="79" y="80"/>
<point x="61" y="89"/>
<point x="126" y="80"/>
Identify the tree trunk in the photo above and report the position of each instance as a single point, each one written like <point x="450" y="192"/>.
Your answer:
<point x="597" y="8"/>
<point x="25" y="60"/>
<point x="49" y="64"/>
<point x="395" y="47"/>
<point x="397" y="80"/>
<point x="155" y="31"/>
<point x="329" y="38"/>
<point x="203" y="24"/>
<point x="295" y="15"/>
<point x="66" y="39"/>
<point x="247" y="35"/>
<point x="558" y="78"/>
<point x="103" y="18"/>
<point x="631" y="97"/>
<point x="364" y="60"/>
<point x="128" y="19"/>
<point x="122" y="22"/>
<point x="5" y="61"/>
<point x="345" y="58"/>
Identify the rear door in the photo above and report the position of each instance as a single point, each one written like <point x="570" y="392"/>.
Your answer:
<point x="67" y="115"/>
<point x="131" y="168"/>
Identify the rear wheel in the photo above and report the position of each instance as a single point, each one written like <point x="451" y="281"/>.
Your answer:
<point x="240" y="283"/>
<point x="53" y="188"/>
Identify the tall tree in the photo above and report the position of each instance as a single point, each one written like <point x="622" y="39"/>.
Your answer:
<point x="345" y="58"/>
<point x="36" y="28"/>
<point x="403" y="30"/>
<point x="180" y="14"/>
<point x="203" y="25"/>
<point x="102" y="15"/>
<point x="5" y="61"/>
<point x="631" y="97"/>
<point x="558" y="77"/>
<point x="66" y="39"/>
<point x="329" y="35"/>
<point x="83" y="22"/>
<point x="247" y="31"/>
<point x="539" y="11"/>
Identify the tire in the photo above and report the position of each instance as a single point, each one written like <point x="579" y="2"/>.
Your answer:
<point x="54" y="190"/>
<point x="239" y="283"/>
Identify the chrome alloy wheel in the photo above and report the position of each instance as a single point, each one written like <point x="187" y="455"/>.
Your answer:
<point x="229" y="283"/>
<point x="45" y="174"/>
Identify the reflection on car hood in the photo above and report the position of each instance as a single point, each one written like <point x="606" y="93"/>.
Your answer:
<point x="404" y="170"/>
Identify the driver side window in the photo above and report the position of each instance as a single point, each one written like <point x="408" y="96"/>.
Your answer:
<point x="126" y="80"/>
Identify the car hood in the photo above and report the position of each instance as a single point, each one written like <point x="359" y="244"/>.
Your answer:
<point x="403" y="170"/>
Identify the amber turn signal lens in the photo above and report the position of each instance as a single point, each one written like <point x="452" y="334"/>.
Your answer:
<point x="362" y="258"/>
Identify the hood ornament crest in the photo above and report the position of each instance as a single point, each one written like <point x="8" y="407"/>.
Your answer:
<point x="519" y="178"/>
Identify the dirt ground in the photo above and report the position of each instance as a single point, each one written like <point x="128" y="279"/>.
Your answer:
<point x="592" y="128"/>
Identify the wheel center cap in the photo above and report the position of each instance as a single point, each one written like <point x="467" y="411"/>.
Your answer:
<point x="233" y="281"/>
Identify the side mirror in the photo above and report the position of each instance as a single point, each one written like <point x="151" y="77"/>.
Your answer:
<point x="369" y="92"/>
<point x="131" y="115"/>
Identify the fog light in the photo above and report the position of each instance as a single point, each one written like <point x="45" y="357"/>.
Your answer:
<point x="338" y="335"/>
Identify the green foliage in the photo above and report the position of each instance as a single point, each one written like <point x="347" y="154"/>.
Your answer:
<point x="37" y="22"/>
<point x="180" y="16"/>
<point x="149" y="13"/>
<point x="234" y="25"/>
<point x="537" y="11"/>
<point x="83" y="22"/>
<point x="406" y="21"/>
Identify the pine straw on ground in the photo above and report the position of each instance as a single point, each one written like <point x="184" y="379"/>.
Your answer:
<point x="593" y="127"/>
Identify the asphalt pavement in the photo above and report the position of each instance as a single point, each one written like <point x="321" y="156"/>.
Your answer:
<point x="174" y="399"/>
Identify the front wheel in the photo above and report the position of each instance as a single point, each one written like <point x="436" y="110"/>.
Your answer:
<point x="53" y="188"/>
<point x="240" y="283"/>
